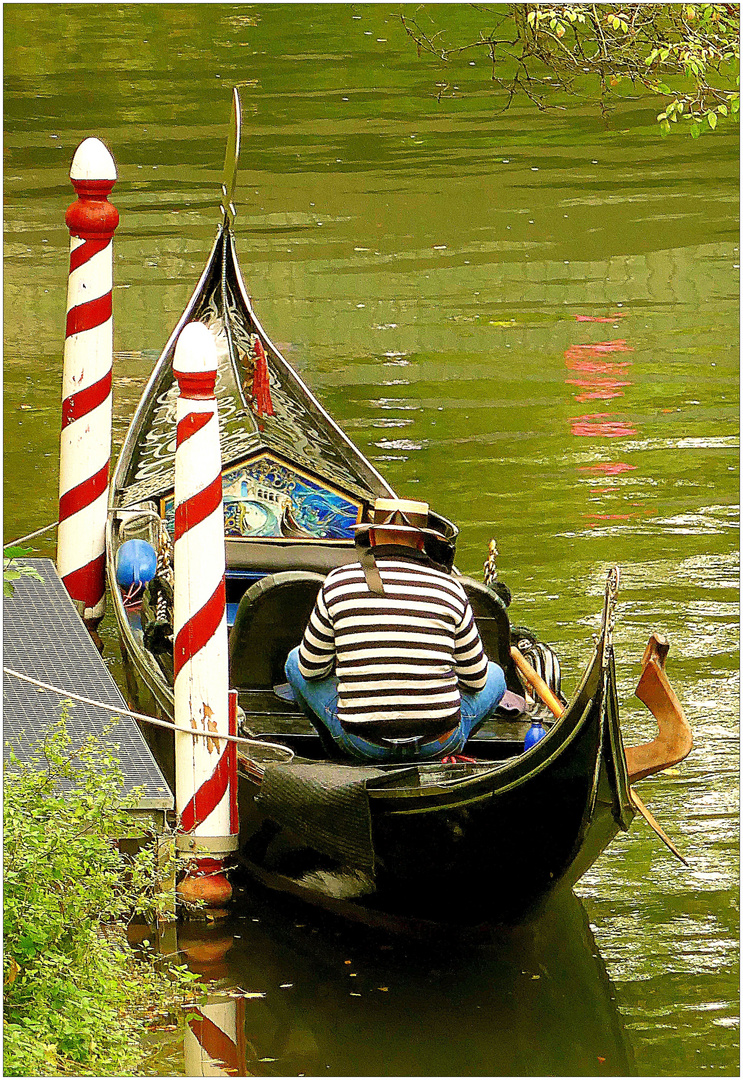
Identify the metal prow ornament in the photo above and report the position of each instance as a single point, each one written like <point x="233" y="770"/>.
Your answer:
<point x="231" y="158"/>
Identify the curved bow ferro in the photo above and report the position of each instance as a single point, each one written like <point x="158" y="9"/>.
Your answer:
<point x="231" y="157"/>
<point x="674" y="740"/>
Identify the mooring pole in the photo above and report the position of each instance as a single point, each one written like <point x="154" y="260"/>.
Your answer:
<point x="214" y="1041"/>
<point x="85" y="442"/>
<point x="205" y="770"/>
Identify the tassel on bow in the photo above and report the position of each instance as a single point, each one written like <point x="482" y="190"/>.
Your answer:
<point x="262" y="403"/>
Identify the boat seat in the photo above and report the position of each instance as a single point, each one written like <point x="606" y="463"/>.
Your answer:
<point x="273" y="613"/>
<point x="269" y="623"/>
<point x="494" y="625"/>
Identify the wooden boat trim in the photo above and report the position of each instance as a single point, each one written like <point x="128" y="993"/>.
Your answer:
<point x="674" y="740"/>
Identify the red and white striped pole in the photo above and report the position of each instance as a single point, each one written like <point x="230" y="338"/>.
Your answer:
<point x="214" y="1043"/>
<point x="85" y="442"/>
<point x="206" y="772"/>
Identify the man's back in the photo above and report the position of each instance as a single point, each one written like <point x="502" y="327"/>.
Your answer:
<point x="400" y="657"/>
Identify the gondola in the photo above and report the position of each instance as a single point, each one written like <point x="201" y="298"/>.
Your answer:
<point x="480" y="839"/>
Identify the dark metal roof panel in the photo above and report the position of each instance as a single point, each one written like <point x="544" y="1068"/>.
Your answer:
<point x="45" y="639"/>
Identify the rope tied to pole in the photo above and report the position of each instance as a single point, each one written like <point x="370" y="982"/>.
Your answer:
<point x="240" y="739"/>
<point x="22" y="539"/>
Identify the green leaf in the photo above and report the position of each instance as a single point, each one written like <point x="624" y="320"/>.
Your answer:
<point x="16" y="552"/>
<point x="695" y="130"/>
<point x="722" y="110"/>
<point x="712" y="120"/>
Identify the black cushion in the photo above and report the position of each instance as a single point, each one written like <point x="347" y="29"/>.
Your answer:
<point x="269" y="623"/>
<point x="494" y="625"/>
<point x="274" y="612"/>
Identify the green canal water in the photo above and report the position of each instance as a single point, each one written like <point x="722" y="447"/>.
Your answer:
<point x="524" y="318"/>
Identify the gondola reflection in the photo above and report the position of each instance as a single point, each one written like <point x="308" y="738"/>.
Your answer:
<point x="295" y="992"/>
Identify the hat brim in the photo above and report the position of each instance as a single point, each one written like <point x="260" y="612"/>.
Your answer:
<point x="367" y="526"/>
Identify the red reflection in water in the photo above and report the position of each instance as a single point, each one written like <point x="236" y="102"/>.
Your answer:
<point x="608" y="468"/>
<point x="593" y="520"/>
<point x="596" y="367"/>
<point x="598" y="389"/>
<point x="602" y="318"/>
<point x="601" y="348"/>
<point x="601" y="425"/>
<point x="588" y="359"/>
<point x="601" y="375"/>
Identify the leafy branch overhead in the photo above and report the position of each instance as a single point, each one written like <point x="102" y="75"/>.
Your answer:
<point x="686" y="55"/>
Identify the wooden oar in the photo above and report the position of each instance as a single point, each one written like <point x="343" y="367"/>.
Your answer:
<point x="556" y="708"/>
<point x="537" y="683"/>
<point x="640" y="805"/>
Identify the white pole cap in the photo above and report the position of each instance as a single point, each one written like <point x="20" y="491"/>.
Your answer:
<point x="195" y="350"/>
<point x="92" y="161"/>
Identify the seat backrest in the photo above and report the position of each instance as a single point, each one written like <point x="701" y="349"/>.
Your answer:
<point x="269" y="623"/>
<point x="273" y="613"/>
<point x="494" y="625"/>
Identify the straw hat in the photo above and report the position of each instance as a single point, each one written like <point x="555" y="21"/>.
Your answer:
<point x="398" y="515"/>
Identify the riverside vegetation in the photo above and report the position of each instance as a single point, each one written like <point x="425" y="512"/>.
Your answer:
<point x="78" y="1000"/>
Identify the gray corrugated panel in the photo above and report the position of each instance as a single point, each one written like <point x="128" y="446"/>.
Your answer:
<point x="44" y="638"/>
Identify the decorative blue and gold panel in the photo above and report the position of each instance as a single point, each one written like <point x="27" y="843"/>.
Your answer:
<point x="264" y="497"/>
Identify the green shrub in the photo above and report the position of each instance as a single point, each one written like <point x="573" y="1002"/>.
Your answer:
<point x="78" y="1001"/>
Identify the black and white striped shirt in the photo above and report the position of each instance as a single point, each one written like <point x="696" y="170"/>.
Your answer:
<point x="400" y="658"/>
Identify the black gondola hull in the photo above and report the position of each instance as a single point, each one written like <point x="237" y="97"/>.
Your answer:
<point x="480" y="848"/>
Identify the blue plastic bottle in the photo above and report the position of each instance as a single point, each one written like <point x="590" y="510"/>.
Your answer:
<point x="536" y="732"/>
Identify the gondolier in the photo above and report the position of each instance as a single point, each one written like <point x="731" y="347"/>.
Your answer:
<point x="411" y="679"/>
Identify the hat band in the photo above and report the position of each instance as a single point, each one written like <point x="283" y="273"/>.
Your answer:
<point x="398" y="517"/>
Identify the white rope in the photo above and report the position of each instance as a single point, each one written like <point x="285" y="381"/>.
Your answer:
<point x="47" y="528"/>
<point x="150" y="719"/>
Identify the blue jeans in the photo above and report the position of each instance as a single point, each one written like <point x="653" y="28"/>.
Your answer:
<point x="319" y="699"/>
